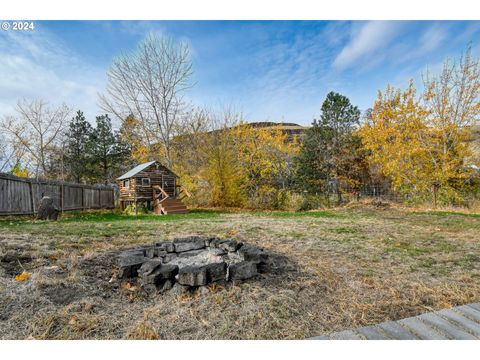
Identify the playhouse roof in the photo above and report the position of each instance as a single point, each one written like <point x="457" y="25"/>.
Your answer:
<point x="135" y="170"/>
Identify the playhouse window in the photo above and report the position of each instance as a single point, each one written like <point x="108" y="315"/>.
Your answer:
<point x="145" y="182"/>
<point x="126" y="183"/>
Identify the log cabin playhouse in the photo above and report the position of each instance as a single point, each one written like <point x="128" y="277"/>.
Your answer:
<point x="155" y="186"/>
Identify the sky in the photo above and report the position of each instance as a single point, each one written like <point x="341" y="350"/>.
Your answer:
<point x="267" y="70"/>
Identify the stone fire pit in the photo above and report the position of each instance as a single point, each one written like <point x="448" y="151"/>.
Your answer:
<point x="190" y="262"/>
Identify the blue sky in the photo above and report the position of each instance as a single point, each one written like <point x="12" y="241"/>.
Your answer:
<point x="268" y="70"/>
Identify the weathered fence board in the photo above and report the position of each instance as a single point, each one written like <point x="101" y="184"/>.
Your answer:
<point x="20" y="196"/>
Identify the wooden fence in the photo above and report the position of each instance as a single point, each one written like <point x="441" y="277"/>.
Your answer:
<point x="21" y="196"/>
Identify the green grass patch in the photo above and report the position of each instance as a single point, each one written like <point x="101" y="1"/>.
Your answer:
<point x="118" y="216"/>
<point x="467" y="262"/>
<point x="427" y="262"/>
<point x="445" y="247"/>
<point x="444" y="213"/>
<point x="111" y="217"/>
<point x="346" y="230"/>
<point x="405" y="248"/>
<point x="287" y="214"/>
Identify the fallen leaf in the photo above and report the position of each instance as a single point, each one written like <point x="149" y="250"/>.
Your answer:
<point x="73" y="320"/>
<point x="23" y="276"/>
<point x="128" y="286"/>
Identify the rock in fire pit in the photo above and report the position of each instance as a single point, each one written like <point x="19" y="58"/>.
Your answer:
<point x="190" y="262"/>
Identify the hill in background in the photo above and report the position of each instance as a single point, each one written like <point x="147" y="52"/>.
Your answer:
<point x="291" y="129"/>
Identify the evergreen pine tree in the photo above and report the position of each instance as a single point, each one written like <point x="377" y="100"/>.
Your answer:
<point x="107" y="151"/>
<point x="323" y="161"/>
<point x="76" y="156"/>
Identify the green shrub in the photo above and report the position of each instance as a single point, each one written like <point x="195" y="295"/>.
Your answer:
<point x="265" y="198"/>
<point x="132" y="209"/>
<point x="312" y="202"/>
<point x="289" y="201"/>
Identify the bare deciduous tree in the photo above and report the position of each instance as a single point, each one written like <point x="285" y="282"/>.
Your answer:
<point x="35" y="129"/>
<point x="149" y="84"/>
<point x="11" y="153"/>
<point x="451" y="100"/>
<point x="452" y="97"/>
<point x="5" y="154"/>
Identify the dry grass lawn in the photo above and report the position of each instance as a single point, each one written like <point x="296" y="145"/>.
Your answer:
<point x="348" y="267"/>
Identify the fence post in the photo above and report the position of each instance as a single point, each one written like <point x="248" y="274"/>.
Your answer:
<point x="83" y="197"/>
<point x="32" y="200"/>
<point x="61" y="197"/>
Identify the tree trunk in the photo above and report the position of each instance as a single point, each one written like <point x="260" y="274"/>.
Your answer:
<point x="105" y="171"/>
<point x="434" y="193"/>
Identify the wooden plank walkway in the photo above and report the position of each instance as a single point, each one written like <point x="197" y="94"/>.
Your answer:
<point x="458" y="323"/>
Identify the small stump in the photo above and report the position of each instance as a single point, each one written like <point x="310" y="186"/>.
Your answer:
<point x="47" y="209"/>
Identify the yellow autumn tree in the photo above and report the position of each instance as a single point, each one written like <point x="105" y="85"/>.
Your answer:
<point x="410" y="147"/>
<point x="422" y="143"/>
<point x="221" y="168"/>
<point x="227" y="162"/>
<point x="20" y="171"/>
<point x="189" y="152"/>
<point x="223" y="171"/>
<point x="205" y="158"/>
<point x="141" y="147"/>
<point x="264" y="155"/>
<point x="393" y="137"/>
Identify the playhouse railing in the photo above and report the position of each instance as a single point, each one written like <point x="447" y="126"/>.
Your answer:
<point x="181" y="189"/>
<point x="159" y="194"/>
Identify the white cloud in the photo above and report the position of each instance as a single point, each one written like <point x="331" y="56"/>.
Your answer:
<point x="287" y="73"/>
<point x="429" y="41"/>
<point x="432" y="38"/>
<point x="367" y="41"/>
<point x="37" y="65"/>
